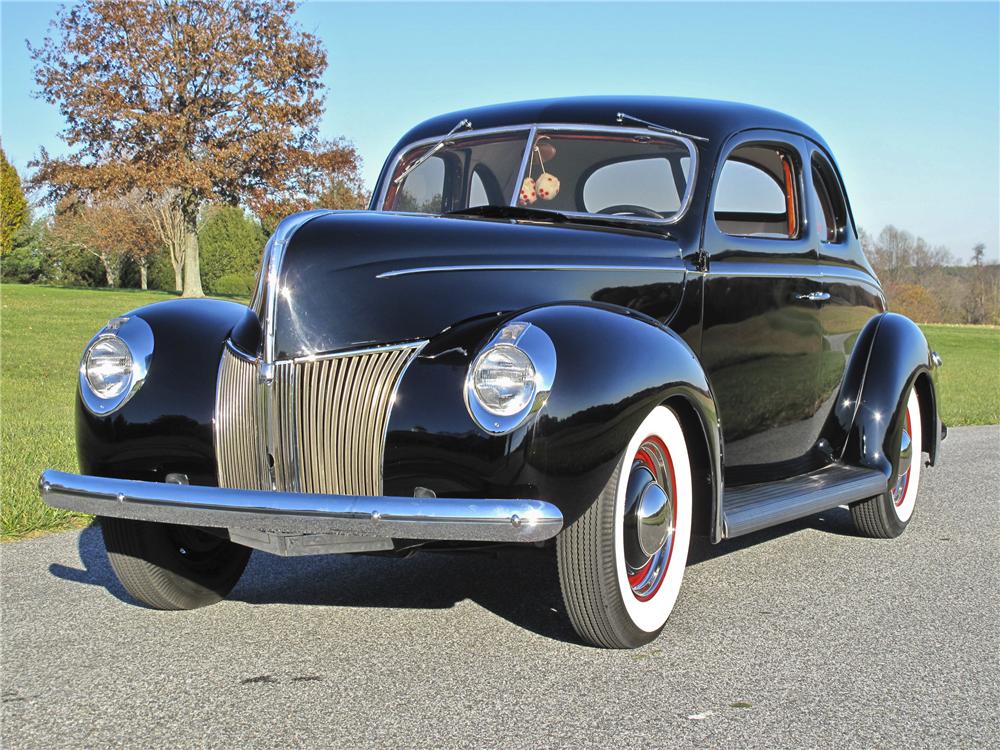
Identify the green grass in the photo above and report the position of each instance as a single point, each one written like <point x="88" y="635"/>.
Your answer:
<point x="969" y="382"/>
<point x="43" y="330"/>
<point x="42" y="334"/>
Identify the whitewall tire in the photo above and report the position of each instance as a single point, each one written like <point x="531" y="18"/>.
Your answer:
<point x="886" y="516"/>
<point x="621" y="564"/>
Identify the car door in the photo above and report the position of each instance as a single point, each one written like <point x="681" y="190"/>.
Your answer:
<point x="847" y="281"/>
<point x="762" y="339"/>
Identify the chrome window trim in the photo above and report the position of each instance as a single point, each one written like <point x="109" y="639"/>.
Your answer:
<point x="533" y="130"/>
<point x="138" y="337"/>
<point x="534" y="342"/>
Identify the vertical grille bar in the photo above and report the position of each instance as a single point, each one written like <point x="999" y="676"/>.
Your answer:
<point x="330" y="416"/>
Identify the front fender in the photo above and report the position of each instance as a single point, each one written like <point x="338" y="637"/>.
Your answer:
<point x="876" y="386"/>
<point x="167" y="425"/>
<point x="613" y="367"/>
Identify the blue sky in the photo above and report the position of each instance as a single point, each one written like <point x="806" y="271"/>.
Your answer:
<point x="905" y="93"/>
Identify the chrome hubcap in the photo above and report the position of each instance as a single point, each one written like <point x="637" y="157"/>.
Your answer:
<point x="905" y="461"/>
<point x="650" y="518"/>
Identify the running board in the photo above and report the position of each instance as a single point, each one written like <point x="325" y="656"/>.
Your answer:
<point x="757" y="506"/>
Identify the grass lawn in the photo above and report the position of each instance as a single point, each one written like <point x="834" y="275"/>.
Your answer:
<point x="969" y="383"/>
<point x="43" y="331"/>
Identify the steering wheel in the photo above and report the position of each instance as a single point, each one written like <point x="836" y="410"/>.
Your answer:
<point x="631" y="209"/>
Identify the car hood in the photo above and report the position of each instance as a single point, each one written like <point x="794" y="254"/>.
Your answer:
<point x="356" y="279"/>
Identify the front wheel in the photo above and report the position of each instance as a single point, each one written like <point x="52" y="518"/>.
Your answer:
<point x="621" y="563"/>
<point x="885" y="516"/>
<point x="172" y="567"/>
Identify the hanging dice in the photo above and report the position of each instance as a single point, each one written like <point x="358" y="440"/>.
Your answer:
<point x="528" y="192"/>
<point x="547" y="186"/>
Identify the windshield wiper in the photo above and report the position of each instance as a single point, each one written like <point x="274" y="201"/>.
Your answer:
<point x="622" y="116"/>
<point x="462" y="124"/>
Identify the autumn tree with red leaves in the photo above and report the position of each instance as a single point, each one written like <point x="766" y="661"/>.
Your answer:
<point x="188" y="101"/>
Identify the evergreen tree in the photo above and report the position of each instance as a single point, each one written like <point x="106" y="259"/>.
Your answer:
<point x="14" y="212"/>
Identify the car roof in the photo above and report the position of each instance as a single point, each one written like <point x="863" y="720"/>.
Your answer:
<point x="714" y="120"/>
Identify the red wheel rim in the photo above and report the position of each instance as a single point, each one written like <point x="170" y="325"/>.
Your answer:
<point x="905" y="478"/>
<point x="654" y="456"/>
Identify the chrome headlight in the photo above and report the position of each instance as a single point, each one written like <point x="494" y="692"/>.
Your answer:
<point x="107" y="365"/>
<point x="511" y="378"/>
<point x="115" y="363"/>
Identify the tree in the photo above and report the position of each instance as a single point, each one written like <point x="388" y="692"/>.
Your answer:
<point x="977" y="299"/>
<point x="111" y="229"/>
<point x="163" y="212"/>
<point x="331" y="180"/>
<point x="231" y="246"/>
<point x="188" y="100"/>
<point x="14" y="212"/>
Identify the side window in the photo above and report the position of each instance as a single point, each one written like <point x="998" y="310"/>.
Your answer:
<point x="423" y="189"/>
<point x="827" y="204"/>
<point x="756" y="195"/>
<point x="647" y="183"/>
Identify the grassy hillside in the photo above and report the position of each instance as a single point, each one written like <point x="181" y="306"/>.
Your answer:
<point x="43" y="330"/>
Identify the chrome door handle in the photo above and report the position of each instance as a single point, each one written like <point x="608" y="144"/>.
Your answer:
<point x="813" y="297"/>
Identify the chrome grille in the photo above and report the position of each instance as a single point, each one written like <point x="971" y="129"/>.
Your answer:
<point x="319" y="426"/>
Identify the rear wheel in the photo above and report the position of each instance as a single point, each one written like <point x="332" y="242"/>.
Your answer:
<point x="172" y="567"/>
<point x="885" y="516"/>
<point x="622" y="562"/>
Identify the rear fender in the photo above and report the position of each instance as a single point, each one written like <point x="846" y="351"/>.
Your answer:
<point x="875" y="390"/>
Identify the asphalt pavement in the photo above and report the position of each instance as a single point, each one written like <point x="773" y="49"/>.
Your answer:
<point x="801" y="636"/>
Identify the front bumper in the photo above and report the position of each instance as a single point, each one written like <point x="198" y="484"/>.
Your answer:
<point x="347" y="516"/>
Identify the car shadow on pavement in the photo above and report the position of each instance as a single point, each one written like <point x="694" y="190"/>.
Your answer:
<point x="520" y="585"/>
<point x="96" y="568"/>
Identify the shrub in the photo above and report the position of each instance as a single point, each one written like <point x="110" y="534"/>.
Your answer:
<point x="234" y="285"/>
<point x="914" y="301"/>
<point x="230" y="244"/>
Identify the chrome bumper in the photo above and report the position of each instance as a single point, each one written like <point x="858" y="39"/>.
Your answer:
<point x="348" y="516"/>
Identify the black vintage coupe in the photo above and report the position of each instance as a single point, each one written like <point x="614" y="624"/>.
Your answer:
<point x="605" y="324"/>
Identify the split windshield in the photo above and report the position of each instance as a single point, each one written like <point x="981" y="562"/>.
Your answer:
<point x="642" y="176"/>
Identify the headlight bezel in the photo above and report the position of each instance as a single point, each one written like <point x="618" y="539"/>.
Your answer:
<point x="137" y="336"/>
<point x="532" y="342"/>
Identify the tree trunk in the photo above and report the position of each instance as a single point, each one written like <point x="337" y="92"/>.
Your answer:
<point x="178" y="276"/>
<point x="109" y="274"/>
<point x="192" y="264"/>
<point x="143" y="274"/>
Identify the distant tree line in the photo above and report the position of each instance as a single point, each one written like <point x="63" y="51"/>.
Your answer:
<point x="121" y="242"/>
<point x="928" y="285"/>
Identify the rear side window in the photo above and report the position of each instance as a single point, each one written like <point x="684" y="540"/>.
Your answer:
<point x="756" y="195"/>
<point x="827" y="204"/>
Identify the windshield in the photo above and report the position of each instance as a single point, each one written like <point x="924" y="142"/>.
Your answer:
<point x="623" y="173"/>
